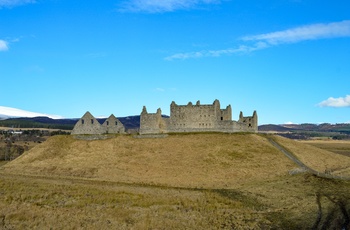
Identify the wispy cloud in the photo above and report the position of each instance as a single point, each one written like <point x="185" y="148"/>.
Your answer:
<point x="242" y="49"/>
<point x="160" y="89"/>
<point x="14" y="3"/>
<point x="303" y="33"/>
<point x="163" y="90"/>
<point x="3" y="45"/>
<point x="289" y="123"/>
<point x="160" y="6"/>
<point x="336" y="102"/>
<point x="267" y="40"/>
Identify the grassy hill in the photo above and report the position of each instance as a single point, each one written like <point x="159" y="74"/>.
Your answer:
<point x="192" y="160"/>
<point x="196" y="181"/>
<point x="197" y="160"/>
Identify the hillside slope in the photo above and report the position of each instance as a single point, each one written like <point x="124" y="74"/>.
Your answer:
<point x="193" y="160"/>
<point x="318" y="159"/>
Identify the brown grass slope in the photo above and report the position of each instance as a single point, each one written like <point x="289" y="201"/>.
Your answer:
<point x="316" y="158"/>
<point x="194" y="160"/>
<point x="245" y="180"/>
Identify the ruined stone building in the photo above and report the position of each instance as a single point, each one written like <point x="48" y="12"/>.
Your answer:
<point x="88" y="124"/>
<point x="196" y="118"/>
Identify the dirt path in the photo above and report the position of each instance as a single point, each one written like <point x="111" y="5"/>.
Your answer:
<point x="292" y="157"/>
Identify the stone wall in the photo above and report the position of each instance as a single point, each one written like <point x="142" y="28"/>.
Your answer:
<point x="89" y="125"/>
<point x="113" y="125"/>
<point x="183" y="118"/>
<point x="151" y="122"/>
<point x="196" y="118"/>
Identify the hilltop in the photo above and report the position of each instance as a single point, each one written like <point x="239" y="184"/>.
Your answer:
<point x="193" y="160"/>
<point x="190" y="160"/>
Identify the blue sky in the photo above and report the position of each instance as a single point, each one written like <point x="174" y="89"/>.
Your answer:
<point x="287" y="59"/>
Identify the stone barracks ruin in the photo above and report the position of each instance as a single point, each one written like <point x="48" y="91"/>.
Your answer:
<point x="183" y="118"/>
<point x="88" y="124"/>
<point x="196" y="118"/>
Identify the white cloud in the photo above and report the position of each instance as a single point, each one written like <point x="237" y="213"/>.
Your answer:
<point x="263" y="41"/>
<point x="13" y="112"/>
<point x="216" y="53"/>
<point x="336" y="102"/>
<point x="303" y="33"/>
<point x="160" y="89"/>
<point x="13" y="3"/>
<point x="3" y="45"/>
<point x="159" y="6"/>
<point x="289" y="123"/>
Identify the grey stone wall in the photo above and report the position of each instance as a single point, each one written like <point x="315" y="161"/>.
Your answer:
<point x="183" y="118"/>
<point x="196" y="118"/>
<point x="89" y="125"/>
<point x="113" y="125"/>
<point x="152" y="122"/>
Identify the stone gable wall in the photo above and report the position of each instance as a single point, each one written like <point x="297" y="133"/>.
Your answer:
<point x="89" y="125"/>
<point x="113" y="125"/>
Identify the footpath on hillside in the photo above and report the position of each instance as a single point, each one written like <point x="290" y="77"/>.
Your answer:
<point x="292" y="157"/>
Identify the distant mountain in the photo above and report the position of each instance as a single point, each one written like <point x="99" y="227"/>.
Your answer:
<point x="307" y="130"/>
<point x="273" y="128"/>
<point x="3" y="117"/>
<point x="325" y="127"/>
<point x="130" y="122"/>
<point x="38" y="122"/>
<point x="8" y="112"/>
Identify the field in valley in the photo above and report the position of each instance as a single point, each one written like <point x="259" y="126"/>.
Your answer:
<point x="192" y="181"/>
<point x="336" y="146"/>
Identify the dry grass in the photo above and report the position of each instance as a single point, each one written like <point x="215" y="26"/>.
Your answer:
<point x="69" y="204"/>
<point x="288" y="202"/>
<point x="336" y="146"/>
<point x="341" y="147"/>
<point x="318" y="159"/>
<point x="197" y="161"/>
<point x="207" y="181"/>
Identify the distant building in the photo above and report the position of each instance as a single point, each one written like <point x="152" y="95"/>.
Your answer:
<point x="88" y="124"/>
<point x="196" y="118"/>
<point x="15" y="132"/>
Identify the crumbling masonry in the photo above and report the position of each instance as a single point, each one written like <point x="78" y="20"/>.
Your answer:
<point x="89" y="125"/>
<point x="196" y="118"/>
<point x="183" y="118"/>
